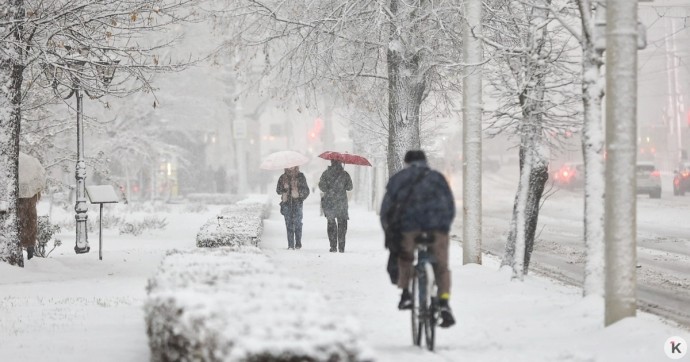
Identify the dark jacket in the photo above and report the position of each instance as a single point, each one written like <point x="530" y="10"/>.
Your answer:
<point x="335" y="183"/>
<point x="302" y="188"/>
<point x="431" y="206"/>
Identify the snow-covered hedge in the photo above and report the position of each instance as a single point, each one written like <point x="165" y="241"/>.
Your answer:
<point x="258" y="199"/>
<point x="230" y="304"/>
<point x="238" y="224"/>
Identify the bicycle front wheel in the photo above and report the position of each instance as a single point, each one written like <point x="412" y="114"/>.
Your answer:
<point x="416" y="319"/>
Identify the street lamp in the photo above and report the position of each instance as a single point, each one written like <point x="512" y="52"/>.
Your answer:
<point x="72" y="71"/>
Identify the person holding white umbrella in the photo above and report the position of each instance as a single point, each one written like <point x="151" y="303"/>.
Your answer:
<point x="293" y="190"/>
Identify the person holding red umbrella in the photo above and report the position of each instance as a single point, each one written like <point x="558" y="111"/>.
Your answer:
<point x="334" y="183"/>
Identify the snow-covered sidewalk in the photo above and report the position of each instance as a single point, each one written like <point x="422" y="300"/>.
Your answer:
<point x="498" y="320"/>
<point x="74" y="308"/>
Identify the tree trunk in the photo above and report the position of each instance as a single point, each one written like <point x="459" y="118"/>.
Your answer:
<point x="472" y="136"/>
<point x="593" y="153"/>
<point x="533" y="176"/>
<point x="406" y="87"/>
<point x="10" y="116"/>
<point x="539" y="174"/>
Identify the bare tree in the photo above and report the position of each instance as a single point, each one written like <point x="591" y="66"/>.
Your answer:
<point x="400" y="49"/>
<point x="592" y="147"/>
<point x="534" y="82"/>
<point x="588" y="13"/>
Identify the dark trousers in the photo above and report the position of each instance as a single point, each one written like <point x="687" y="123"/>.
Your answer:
<point x="337" y="228"/>
<point x="293" y="224"/>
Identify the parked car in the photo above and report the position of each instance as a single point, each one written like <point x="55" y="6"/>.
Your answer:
<point x="648" y="180"/>
<point x="570" y="175"/>
<point x="681" y="179"/>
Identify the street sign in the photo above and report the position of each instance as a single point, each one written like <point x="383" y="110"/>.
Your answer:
<point x="101" y="194"/>
<point x="600" y="39"/>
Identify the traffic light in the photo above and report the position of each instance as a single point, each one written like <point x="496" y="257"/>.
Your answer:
<point x="316" y="129"/>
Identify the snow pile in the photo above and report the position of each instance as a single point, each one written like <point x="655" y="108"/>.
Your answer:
<point x="239" y="224"/>
<point x="230" y="304"/>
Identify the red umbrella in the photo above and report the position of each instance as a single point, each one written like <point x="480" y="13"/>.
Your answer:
<point x="345" y="158"/>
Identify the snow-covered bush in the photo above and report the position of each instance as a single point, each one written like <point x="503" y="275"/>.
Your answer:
<point x="230" y="304"/>
<point x="146" y="207"/>
<point x="214" y="199"/>
<point x="258" y="199"/>
<point x="44" y="234"/>
<point x="147" y="223"/>
<point x="195" y="208"/>
<point x="238" y="224"/>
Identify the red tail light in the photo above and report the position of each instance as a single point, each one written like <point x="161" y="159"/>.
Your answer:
<point x="656" y="173"/>
<point x="565" y="173"/>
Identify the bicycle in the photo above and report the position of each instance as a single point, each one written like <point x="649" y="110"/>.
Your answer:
<point x="424" y="294"/>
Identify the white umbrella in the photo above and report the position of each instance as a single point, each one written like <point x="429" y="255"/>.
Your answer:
<point x="32" y="176"/>
<point x="283" y="159"/>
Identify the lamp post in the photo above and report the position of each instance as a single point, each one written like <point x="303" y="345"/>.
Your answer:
<point x="72" y="71"/>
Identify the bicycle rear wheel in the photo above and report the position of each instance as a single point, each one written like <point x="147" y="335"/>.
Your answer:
<point x="430" y="308"/>
<point x="416" y="316"/>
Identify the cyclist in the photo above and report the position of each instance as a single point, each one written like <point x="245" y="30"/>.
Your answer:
<point x="419" y="200"/>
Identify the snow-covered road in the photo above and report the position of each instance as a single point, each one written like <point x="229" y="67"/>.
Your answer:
<point x="663" y="241"/>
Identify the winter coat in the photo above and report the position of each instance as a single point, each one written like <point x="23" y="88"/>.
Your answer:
<point x="430" y="207"/>
<point x="296" y="191"/>
<point x="334" y="184"/>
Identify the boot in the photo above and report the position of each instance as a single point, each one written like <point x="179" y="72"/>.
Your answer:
<point x="446" y="314"/>
<point x="405" y="300"/>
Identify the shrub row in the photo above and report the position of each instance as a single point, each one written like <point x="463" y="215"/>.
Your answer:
<point x="230" y="304"/>
<point x="238" y="224"/>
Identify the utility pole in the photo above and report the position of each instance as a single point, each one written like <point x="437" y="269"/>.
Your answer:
<point x="678" y="95"/>
<point x="472" y="135"/>
<point x="621" y="158"/>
